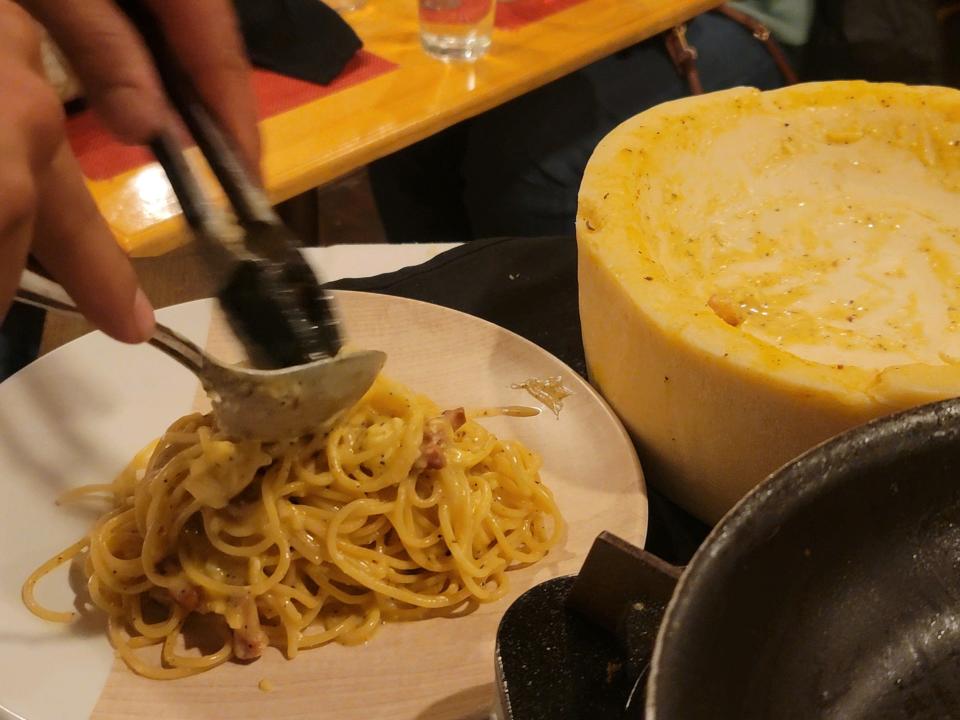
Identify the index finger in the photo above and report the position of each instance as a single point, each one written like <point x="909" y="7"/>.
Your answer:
<point x="119" y="76"/>
<point x="205" y="37"/>
<point x="73" y="242"/>
<point x="109" y="57"/>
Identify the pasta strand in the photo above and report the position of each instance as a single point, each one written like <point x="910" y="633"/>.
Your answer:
<point x="398" y="513"/>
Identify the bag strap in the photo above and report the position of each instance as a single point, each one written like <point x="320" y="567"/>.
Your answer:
<point x="684" y="55"/>
<point x="762" y="33"/>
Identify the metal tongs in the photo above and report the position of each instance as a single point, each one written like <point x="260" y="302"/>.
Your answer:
<point x="272" y="297"/>
<point x="273" y="300"/>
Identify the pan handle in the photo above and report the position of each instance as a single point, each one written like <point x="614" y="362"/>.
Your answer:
<point x="580" y="646"/>
<point x="616" y="579"/>
<point x="626" y="590"/>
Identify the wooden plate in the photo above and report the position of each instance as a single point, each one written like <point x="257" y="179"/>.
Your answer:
<point x="77" y="416"/>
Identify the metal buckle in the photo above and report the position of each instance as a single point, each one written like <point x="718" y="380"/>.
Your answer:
<point x="689" y="52"/>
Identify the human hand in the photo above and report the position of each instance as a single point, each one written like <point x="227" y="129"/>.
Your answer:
<point x="45" y="208"/>
<point x="119" y="78"/>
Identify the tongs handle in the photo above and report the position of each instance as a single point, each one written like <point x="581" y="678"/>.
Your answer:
<point x="249" y="202"/>
<point x="273" y="299"/>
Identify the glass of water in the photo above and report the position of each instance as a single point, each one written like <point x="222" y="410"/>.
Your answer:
<point x="346" y="5"/>
<point x="456" y="29"/>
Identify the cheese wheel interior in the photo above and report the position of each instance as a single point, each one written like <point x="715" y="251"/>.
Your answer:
<point x="803" y="244"/>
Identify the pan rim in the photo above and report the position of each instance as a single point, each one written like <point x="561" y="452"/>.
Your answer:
<point x="796" y="483"/>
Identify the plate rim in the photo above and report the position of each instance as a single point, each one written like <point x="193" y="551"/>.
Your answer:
<point x="583" y="385"/>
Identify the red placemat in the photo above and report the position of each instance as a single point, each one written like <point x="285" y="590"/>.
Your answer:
<point x="102" y="157"/>
<point x="517" y="13"/>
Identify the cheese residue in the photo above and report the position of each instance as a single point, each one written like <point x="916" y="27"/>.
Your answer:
<point x="829" y="234"/>
<point x="550" y="391"/>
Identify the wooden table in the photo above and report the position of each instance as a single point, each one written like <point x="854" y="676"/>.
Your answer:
<point x="321" y="140"/>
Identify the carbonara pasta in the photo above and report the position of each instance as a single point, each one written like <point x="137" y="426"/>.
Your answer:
<point x="400" y="512"/>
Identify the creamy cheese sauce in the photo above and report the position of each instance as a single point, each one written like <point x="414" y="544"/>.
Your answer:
<point x="836" y="242"/>
<point x="550" y="391"/>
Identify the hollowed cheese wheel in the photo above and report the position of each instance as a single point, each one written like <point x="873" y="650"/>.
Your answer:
<point x="760" y="271"/>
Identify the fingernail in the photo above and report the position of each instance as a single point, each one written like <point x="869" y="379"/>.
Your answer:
<point x="143" y="315"/>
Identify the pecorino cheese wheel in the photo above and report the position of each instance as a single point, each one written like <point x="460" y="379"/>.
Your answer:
<point x="759" y="271"/>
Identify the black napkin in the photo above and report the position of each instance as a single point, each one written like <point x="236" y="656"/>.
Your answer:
<point x="529" y="286"/>
<point x="304" y="39"/>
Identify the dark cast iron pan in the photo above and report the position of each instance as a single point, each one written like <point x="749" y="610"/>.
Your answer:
<point x="830" y="591"/>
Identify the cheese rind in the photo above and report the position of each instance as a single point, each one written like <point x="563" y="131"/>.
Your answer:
<point x="759" y="271"/>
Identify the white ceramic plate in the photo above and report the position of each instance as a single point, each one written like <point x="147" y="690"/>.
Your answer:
<point x="79" y="414"/>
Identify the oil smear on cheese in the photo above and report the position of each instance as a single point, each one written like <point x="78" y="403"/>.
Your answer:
<point x="831" y="236"/>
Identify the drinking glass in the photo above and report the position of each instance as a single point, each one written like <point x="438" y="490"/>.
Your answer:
<point x="456" y="29"/>
<point x="346" y="5"/>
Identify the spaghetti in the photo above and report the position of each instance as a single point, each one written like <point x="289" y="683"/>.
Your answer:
<point x="399" y="513"/>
